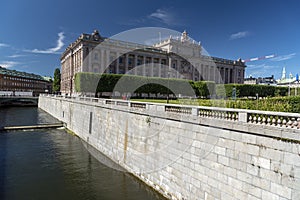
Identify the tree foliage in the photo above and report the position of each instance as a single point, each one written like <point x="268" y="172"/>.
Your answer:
<point x="56" y="81"/>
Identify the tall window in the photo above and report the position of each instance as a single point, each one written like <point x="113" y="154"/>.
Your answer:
<point x="129" y="61"/>
<point x="96" y="56"/>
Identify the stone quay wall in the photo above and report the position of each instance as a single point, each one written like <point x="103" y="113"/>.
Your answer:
<point x="191" y="152"/>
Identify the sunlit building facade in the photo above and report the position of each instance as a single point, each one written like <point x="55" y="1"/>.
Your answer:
<point x="178" y="57"/>
<point x="16" y="81"/>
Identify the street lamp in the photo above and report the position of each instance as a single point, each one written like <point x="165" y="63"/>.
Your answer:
<point x="168" y="86"/>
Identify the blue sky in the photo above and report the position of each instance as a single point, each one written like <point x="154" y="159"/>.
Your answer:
<point x="34" y="33"/>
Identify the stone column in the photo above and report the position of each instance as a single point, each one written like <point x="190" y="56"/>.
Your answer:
<point x="102" y="67"/>
<point x="126" y="63"/>
<point x="242" y="75"/>
<point x="88" y="60"/>
<point x="81" y="60"/>
<point x="202" y="72"/>
<point x="193" y="71"/>
<point x="72" y="72"/>
<point x="224" y="75"/>
<point x="219" y="74"/>
<point x="144" y="65"/>
<point x="117" y="63"/>
<point x="135" y="64"/>
<point x="107" y="61"/>
<point x="152" y="66"/>
<point x="199" y="72"/>
<point x="234" y="74"/>
<point x="170" y="67"/>
<point x="228" y="75"/>
<point x="215" y="73"/>
<point x="159" y="67"/>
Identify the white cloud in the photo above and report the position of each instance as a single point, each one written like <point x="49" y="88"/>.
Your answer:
<point x="9" y="64"/>
<point x="284" y="57"/>
<point x="53" y="50"/>
<point x="263" y="70"/>
<point x="16" y="56"/>
<point x="163" y="16"/>
<point x="239" y="35"/>
<point x="4" y="45"/>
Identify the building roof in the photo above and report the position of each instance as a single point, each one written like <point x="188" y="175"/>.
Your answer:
<point x="16" y="73"/>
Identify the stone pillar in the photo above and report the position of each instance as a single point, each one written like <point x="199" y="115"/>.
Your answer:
<point x="228" y="75"/>
<point x="126" y="63"/>
<point x="207" y="72"/>
<point x="193" y="72"/>
<point x="152" y="66"/>
<point x="242" y="74"/>
<point x="107" y="61"/>
<point x="199" y="72"/>
<point x="102" y="61"/>
<point x="117" y="63"/>
<point x="135" y="64"/>
<point x="144" y="65"/>
<point x="215" y="73"/>
<point x="204" y="73"/>
<point x="88" y="58"/>
<point x="169" y="68"/>
<point x="159" y="67"/>
<point x="72" y="72"/>
<point x="234" y="74"/>
<point x="219" y="74"/>
<point x="224" y="75"/>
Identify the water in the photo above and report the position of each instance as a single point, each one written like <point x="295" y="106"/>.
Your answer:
<point x="24" y="116"/>
<point x="52" y="164"/>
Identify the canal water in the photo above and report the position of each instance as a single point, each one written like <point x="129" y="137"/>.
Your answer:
<point x="52" y="164"/>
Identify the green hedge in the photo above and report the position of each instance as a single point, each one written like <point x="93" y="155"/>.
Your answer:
<point x="86" y="82"/>
<point x="278" y="104"/>
<point x="244" y="90"/>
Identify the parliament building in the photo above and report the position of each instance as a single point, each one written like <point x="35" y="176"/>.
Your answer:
<point x="175" y="57"/>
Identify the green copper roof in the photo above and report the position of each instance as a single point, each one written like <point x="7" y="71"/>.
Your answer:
<point x="15" y="73"/>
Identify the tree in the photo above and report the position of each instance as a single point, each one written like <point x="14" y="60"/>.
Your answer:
<point x="56" y="81"/>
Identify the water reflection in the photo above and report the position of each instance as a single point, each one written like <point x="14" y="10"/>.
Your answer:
<point x="52" y="164"/>
<point x="24" y="116"/>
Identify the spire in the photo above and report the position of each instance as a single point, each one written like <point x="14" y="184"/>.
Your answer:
<point x="283" y="76"/>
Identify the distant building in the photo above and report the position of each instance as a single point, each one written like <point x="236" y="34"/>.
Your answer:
<point x="260" y="80"/>
<point x="251" y="80"/>
<point x="119" y="57"/>
<point x="292" y="81"/>
<point x="16" y="81"/>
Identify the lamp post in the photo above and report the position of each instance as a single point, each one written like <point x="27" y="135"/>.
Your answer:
<point x="289" y="91"/>
<point x="168" y="86"/>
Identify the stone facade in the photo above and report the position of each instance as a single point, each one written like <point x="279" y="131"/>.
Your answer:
<point x="199" y="155"/>
<point x="173" y="57"/>
<point x="18" y="82"/>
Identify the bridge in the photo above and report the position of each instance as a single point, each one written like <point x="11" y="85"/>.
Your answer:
<point x="191" y="152"/>
<point x="18" y="101"/>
